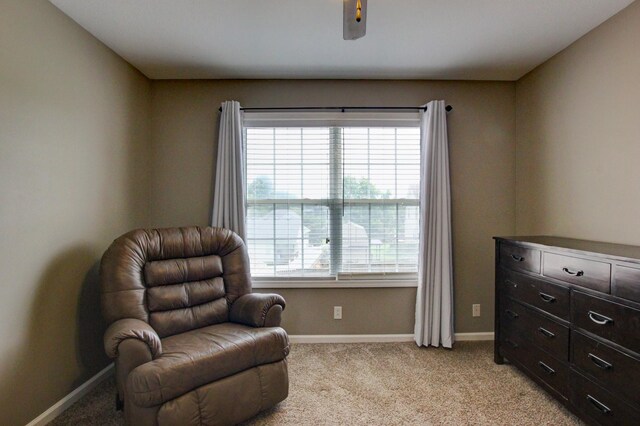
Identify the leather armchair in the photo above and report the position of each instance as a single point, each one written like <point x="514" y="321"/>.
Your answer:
<point x="192" y="344"/>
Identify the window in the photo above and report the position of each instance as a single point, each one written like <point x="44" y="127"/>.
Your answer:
<point x="332" y="201"/>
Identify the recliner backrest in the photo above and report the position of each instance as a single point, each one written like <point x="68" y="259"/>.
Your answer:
<point x="175" y="279"/>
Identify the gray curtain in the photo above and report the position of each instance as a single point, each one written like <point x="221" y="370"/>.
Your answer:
<point x="229" y="191"/>
<point x="434" y="302"/>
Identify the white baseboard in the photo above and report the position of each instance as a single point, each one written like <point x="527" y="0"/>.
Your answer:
<point x="474" y="337"/>
<point x="378" y="338"/>
<point x="350" y="338"/>
<point x="56" y="409"/>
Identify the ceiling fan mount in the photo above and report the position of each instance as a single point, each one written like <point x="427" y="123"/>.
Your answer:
<point x="354" y="16"/>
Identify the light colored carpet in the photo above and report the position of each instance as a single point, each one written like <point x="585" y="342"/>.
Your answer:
<point x="384" y="384"/>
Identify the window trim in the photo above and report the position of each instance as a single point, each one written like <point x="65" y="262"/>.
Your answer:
<point x="330" y="119"/>
<point x="334" y="120"/>
<point x="330" y="282"/>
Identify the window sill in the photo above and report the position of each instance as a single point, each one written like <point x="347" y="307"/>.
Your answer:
<point x="257" y="283"/>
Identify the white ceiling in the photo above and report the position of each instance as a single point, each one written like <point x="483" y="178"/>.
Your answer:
<point x="415" y="39"/>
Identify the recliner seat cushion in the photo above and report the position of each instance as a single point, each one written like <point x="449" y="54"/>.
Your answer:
<point x="201" y="356"/>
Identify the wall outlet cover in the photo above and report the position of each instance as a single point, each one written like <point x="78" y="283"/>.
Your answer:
<point x="476" y="310"/>
<point x="337" y="312"/>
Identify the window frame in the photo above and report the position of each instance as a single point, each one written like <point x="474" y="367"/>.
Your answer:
<point x="335" y="120"/>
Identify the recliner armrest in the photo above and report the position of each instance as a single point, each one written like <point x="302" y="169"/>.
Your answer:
<point x="130" y="328"/>
<point x="257" y="310"/>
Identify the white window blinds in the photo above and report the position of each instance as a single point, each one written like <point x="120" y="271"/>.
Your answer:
<point x="332" y="201"/>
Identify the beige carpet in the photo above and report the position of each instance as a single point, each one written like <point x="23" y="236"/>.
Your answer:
<point x="384" y="384"/>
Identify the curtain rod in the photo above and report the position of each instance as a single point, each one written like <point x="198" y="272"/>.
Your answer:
<point x="448" y="108"/>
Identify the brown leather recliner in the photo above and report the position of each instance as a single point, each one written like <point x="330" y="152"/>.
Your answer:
<point x="192" y="344"/>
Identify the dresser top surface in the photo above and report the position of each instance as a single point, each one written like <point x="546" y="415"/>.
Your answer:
<point x="598" y="248"/>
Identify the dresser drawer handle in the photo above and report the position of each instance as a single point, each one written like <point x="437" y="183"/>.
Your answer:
<point x="575" y="274"/>
<point x="599" y="318"/>
<point x="599" y="362"/>
<point x="517" y="258"/>
<point x="512" y="314"/>
<point x="546" y="332"/>
<point x="547" y="297"/>
<point x="599" y="405"/>
<point x="512" y="284"/>
<point x="546" y="368"/>
<point x="513" y="344"/>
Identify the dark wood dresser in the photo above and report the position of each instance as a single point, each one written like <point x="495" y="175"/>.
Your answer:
<point x="568" y="316"/>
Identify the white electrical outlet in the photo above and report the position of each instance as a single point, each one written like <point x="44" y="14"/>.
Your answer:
<point x="476" y="309"/>
<point x="337" y="312"/>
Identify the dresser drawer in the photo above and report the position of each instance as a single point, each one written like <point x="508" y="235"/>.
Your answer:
<point x="543" y="332"/>
<point x="519" y="258"/>
<point x="626" y="283"/>
<point x="585" y="273"/>
<point x="619" y="371"/>
<point x="600" y="405"/>
<point x="551" y="298"/>
<point x="548" y="369"/>
<point x="612" y="321"/>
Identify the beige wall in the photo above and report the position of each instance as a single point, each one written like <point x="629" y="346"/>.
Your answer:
<point x="365" y="310"/>
<point x="578" y="137"/>
<point x="482" y="134"/>
<point x="73" y="137"/>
